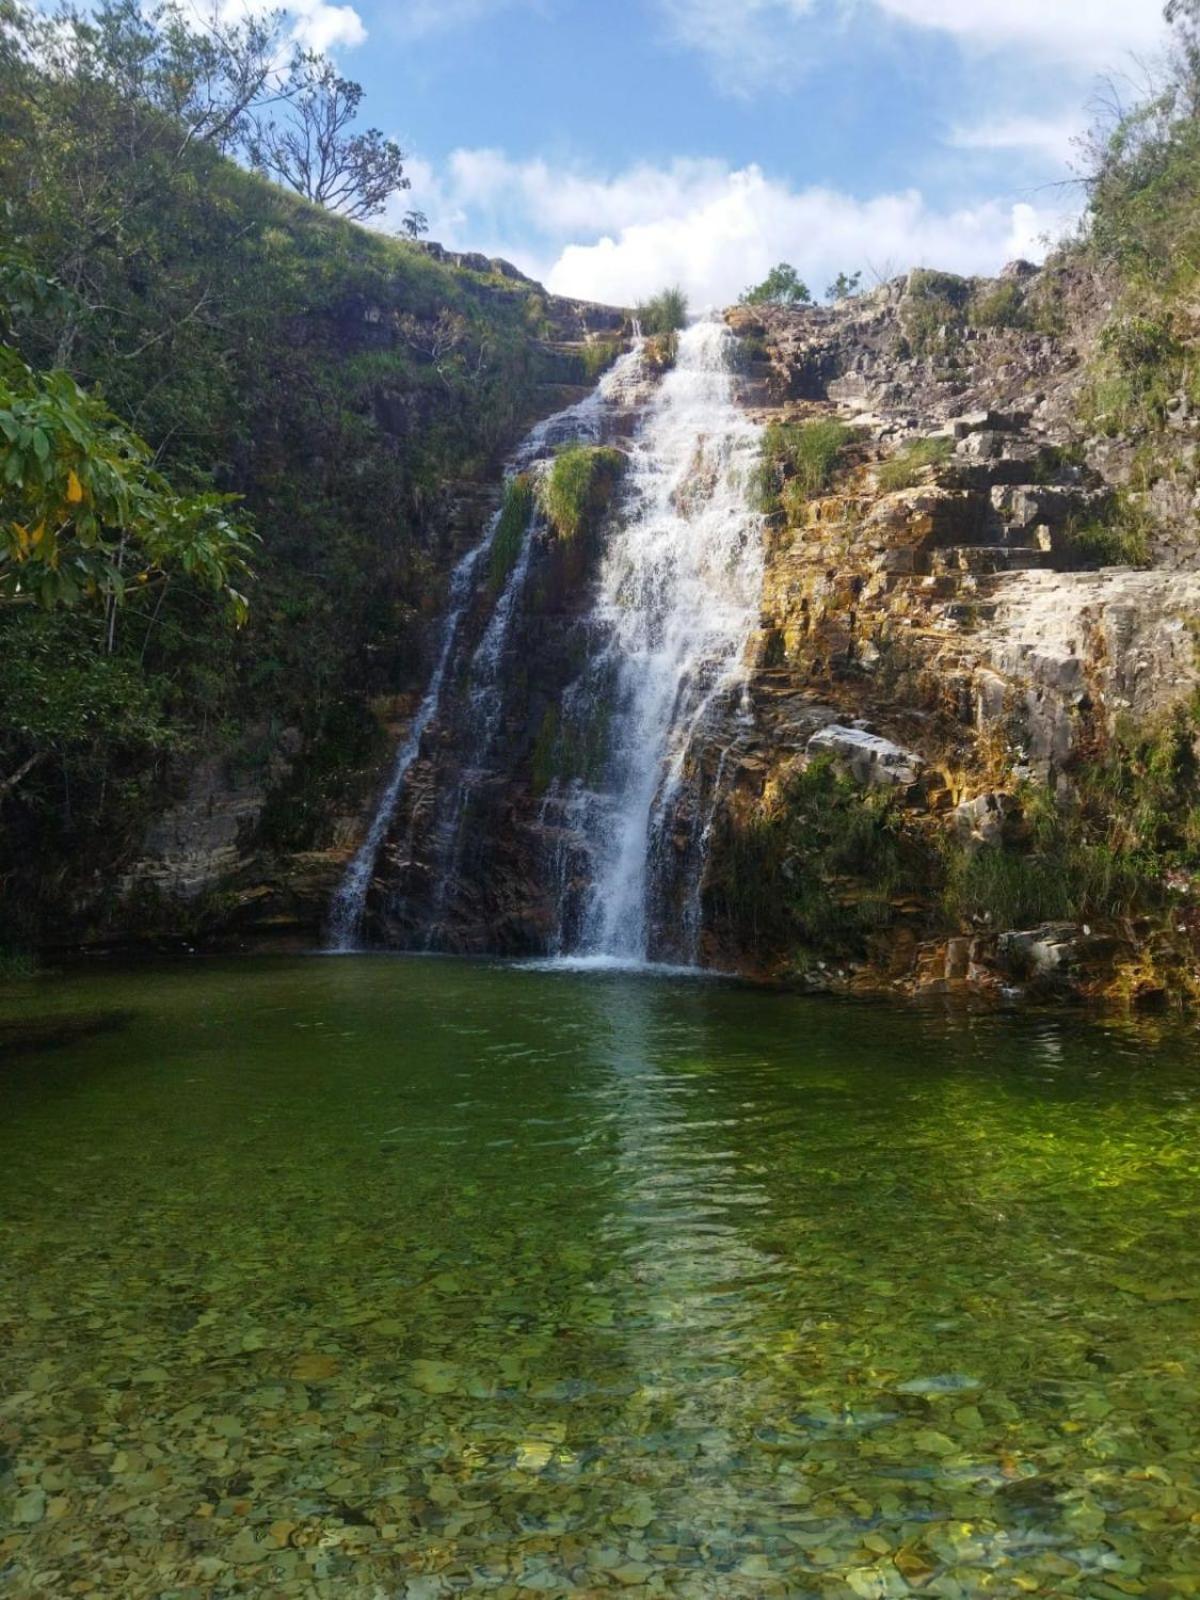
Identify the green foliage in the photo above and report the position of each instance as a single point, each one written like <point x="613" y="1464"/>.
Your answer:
<point x="82" y="511"/>
<point x="798" y="462"/>
<point x="844" y="287"/>
<point x="1101" y="852"/>
<point x="820" y="864"/>
<point x="907" y="465"/>
<point x="579" y="487"/>
<point x="1117" y="537"/>
<point x="597" y="356"/>
<point x="17" y="964"/>
<point x="511" y="529"/>
<point x="667" y="312"/>
<point x="934" y="310"/>
<point x="1001" y="307"/>
<point x="782" y="286"/>
<point x="332" y="378"/>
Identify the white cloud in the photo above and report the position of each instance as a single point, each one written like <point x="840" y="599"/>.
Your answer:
<point x="755" y="42"/>
<point x="1096" y="32"/>
<point x="315" y="24"/>
<point x="1053" y="137"/>
<point x="323" y="27"/>
<point x="712" y="228"/>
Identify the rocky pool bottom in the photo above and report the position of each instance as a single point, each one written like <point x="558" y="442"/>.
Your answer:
<point x="379" y="1277"/>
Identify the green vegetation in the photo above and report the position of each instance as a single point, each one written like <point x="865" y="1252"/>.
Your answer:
<point x="820" y="864"/>
<point x="844" y="287"/>
<point x="666" y="313"/>
<point x="511" y="529"/>
<point x="597" y="356"/>
<point x="782" y="286"/>
<point x="906" y="466"/>
<point x="934" y="310"/>
<point x="1145" y="230"/>
<point x="1117" y="537"/>
<point x="798" y="462"/>
<point x="270" y="356"/>
<point x="83" y="514"/>
<point x="579" y="487"/>
<point x="1101" y="852"/>
<point x="1000" y="307"/>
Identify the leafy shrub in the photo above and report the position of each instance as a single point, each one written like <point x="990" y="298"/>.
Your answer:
<point x="782" y="286"/>
<point x="1001" y="307"/>
<point x="821" y="863"/>
<point x="17" y="964"/>
<point x="579" y="487"/>
<point x="907" y="465"/>
<point x="934" y="309"/>
<point x="667" y="312"/>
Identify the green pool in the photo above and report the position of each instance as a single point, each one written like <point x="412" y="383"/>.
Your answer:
<point x="411" y="1278"/>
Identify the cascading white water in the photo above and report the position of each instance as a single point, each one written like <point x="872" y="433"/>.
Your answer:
<point x="678" y="599"/>
<point x="349" y="903"/>
<point x="580" y="422"/>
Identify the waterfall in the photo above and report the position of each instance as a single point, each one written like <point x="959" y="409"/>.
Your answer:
<point x="582" y="421"/>
<point x="677" y="601"/>
<point x="349" y="903"/>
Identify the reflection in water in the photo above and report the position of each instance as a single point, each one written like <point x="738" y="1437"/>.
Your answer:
<point x="421" y="1278"/>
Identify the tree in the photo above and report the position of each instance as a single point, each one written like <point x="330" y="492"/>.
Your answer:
<point x="83" y="514"/>
<point x="844" y="287"/>
<point x="314" y="152"/>
<point x="782" y="286"/>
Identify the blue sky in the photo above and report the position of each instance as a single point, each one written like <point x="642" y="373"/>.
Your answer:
<point x="609" y="147"/>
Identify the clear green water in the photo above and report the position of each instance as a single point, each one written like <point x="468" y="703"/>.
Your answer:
<point x="414" y="1278"/>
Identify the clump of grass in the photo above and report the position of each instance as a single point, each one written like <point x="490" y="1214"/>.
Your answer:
<point x="579" y="487"/>
<point x="598" y="356"/>
<point x="510" y="530"/>
<point x="1001" y="307"/>
<point x="667" y="312"/>
<point x="907" y="465"/>
<point x="1117" y="537"/>
<point x="798" y="461"/>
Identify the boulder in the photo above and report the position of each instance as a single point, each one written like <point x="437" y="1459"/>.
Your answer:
<point x="867" y="758"/>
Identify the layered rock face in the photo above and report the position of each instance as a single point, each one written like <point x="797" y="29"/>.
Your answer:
<point x="937" y="611"/>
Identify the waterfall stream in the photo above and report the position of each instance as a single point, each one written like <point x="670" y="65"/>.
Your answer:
<point x="657" y="702"/>
<point x="580" y="422"/>
<point x="677" y="601"/>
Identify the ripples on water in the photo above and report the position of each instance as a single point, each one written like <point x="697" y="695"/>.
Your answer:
<point x="419" y="1278"/>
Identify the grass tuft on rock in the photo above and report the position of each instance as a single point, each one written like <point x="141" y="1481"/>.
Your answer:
<point x="510" y="530"/>
<point x="579" y="487"/>
<point x="904" y="470"/>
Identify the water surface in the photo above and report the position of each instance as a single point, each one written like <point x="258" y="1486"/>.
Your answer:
<point x="376" y="1277"/>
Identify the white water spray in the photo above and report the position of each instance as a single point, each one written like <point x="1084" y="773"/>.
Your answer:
<point x="679" y="599"/>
